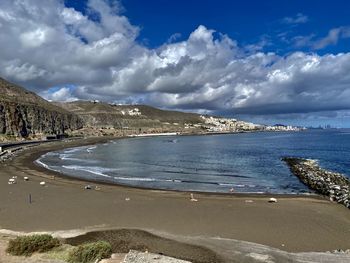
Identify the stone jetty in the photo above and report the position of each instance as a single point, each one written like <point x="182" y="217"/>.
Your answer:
<point x="334" y="185"/>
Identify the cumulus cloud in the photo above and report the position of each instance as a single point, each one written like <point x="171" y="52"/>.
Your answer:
<point x="45" y="44"/>
<point x="62" y="94"/>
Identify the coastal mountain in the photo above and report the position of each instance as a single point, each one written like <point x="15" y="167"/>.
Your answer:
<point x="25" y="114"/>
<point x="113" y="118"/>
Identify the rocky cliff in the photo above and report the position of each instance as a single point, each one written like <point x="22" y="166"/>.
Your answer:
<point x="23" y="113"/>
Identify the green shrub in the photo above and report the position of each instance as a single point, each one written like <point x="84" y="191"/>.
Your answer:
<point x="90" y="252"/>
<point x="27" y="245"/>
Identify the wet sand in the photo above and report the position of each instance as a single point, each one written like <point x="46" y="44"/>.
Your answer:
<point x="294" y="223"/>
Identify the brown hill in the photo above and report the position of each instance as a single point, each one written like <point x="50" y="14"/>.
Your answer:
<point x="131" y="116"/>
<point x="23" y="113"/>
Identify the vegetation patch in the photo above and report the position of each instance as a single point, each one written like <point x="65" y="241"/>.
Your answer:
<point x="60" y="253"/>
<point x="27" y="245"/>
<point x="90" y="252"/>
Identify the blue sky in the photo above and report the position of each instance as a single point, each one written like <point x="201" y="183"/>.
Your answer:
<point x="263" y="61"/>
<point x="248" y="22"/>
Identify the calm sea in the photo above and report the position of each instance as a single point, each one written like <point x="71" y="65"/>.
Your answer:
<point x="246" y="162"/>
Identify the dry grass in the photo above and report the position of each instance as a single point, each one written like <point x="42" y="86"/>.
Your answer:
<point x="27" y="245"/>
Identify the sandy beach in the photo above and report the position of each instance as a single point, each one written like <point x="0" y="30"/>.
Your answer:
<point x="294" y="223"/>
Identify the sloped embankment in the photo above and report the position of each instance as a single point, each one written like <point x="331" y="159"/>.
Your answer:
<point x="124" y="240"/>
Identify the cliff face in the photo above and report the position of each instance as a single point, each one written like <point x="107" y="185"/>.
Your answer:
<point x="23" y="120"/>
<point x="23" y="113"/>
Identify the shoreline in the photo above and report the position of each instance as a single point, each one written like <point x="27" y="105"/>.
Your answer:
<point x="300" y="223"/>
<point x="243" y="194"/>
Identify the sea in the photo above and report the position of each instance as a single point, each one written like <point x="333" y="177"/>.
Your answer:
<point x="242" y="162"/>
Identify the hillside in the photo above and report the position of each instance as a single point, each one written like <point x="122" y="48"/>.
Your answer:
<point x="25" y="114"/>
<point x="132" y="118"/>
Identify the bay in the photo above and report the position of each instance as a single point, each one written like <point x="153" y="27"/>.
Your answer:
<point x="244" y="162"/>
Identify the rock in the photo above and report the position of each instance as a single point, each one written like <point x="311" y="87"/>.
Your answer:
<point x="142" y="257"/>
<point x="272" y="200"/>
<point x="335" y="187"/>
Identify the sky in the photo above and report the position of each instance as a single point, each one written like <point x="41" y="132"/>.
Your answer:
<point x="262" y="61"/>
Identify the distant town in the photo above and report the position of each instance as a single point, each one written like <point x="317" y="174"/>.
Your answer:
<point x="218" y="124"/>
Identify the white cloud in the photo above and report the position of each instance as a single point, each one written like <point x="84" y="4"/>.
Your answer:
<point x="297" y="19"/>
<point x="45" y="44"/>
<point x="34" y="39"/>
<point x="63" y="94"/>
<point x="174" y="37"/>
<point x="332" y="38"/>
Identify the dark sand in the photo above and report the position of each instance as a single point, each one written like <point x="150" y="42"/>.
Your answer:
<point x="295" y="223"/>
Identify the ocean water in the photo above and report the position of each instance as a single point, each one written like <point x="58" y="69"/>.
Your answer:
<point x="245" y="162"/>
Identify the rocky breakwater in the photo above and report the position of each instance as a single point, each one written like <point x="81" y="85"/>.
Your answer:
<point x="334" y="185"/>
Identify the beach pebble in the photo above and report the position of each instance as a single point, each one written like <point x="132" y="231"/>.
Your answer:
<point x="42" y="183"/>
<point x="272" y="200"/>
<point x="26" y="178"/>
